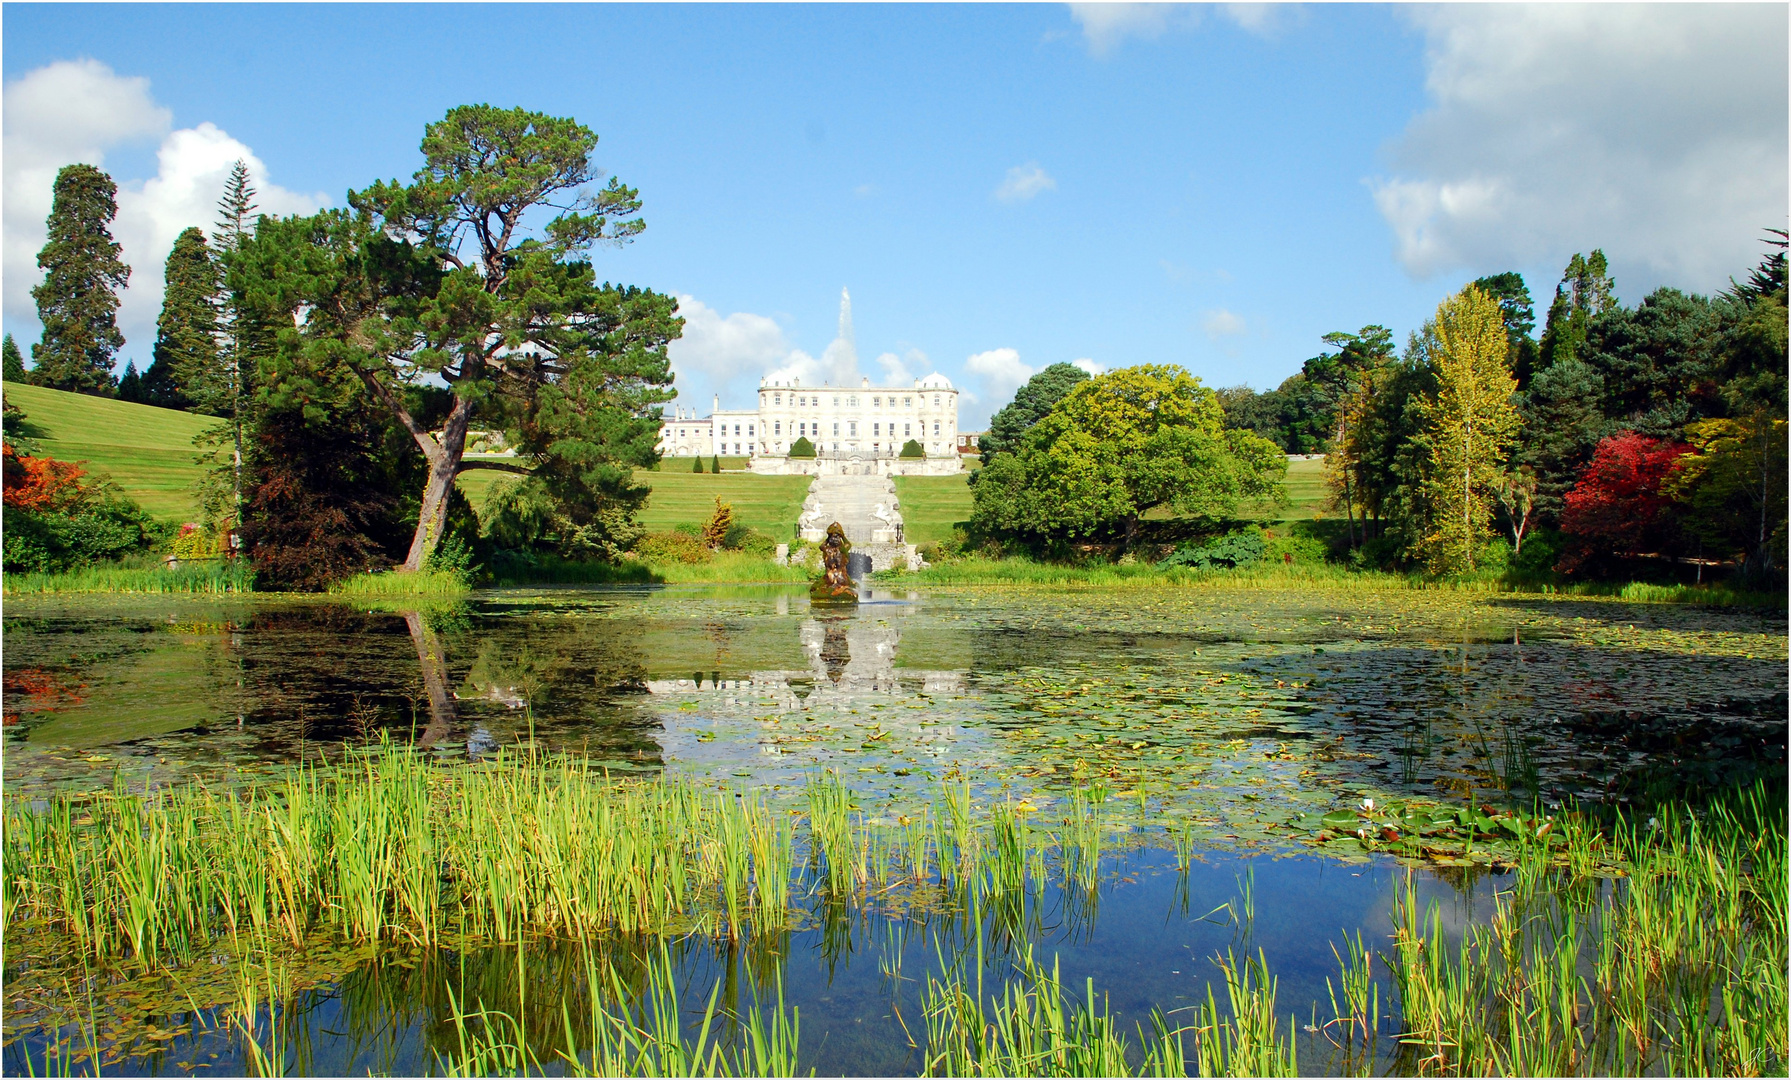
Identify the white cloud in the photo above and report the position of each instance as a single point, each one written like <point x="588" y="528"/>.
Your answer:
<point x="999" y="372"/>
<point x="1093" y="367"/>
<point x="75" y="111"/>
<point x="1657" y="132"/>
<point x="1023" y="182"/>
<point x="716" y="351"/>
<point x="902" y="369"/>
<point x="1106" y="26"/>
<point x="1220" y="323"/>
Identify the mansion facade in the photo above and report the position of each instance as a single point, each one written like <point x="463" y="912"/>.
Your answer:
<point x="853" y="429"/>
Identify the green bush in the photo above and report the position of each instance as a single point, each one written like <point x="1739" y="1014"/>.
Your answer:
<point x="1294" y="539"/>
<point x="102" y="530"/>
<point x="1540" y="552"/>
<point x="1243" y="547"/>
<point x="689" y="528"/>
<point x="750" y="540"/>
<point x="698" y="466"/>
<point x="715" y="464"/>
<point x="913" y="449"/>
<point x="802" y="448"/>
<point x="676" y="546"/>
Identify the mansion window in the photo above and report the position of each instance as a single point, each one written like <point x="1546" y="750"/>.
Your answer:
<point x="854" y="428"/>
<point x="876" y="429"/>
<point x="777" y="427"/>
<point x="777" y="399"/>
<point x="836" y="427"/>
<point x="748" y="429"/>
<point x="876" y="403"/>
<point x="904" y="429"/>
<point x="935" y="401"/>
<point x="935" y="427"/>
<point x="906" y="402"/>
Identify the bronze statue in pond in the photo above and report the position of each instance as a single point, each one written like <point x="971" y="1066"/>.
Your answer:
<point x="834" y="586"/>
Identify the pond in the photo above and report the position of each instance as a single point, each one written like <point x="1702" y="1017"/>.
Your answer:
<point x="1221" y="731"/>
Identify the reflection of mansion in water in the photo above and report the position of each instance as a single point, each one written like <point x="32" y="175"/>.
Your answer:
<point x="860" y="429"/>
<point x="849" y="660"/>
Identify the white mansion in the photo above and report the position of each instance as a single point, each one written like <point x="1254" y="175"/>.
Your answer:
<point x="858" y="429"/>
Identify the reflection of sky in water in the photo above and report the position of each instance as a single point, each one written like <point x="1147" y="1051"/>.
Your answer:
<point x="1232" y="698"/>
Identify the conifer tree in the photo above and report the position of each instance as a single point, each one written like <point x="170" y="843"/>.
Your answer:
<point x="227" y="394"/>
<point x="13" y="361"/>
<point x="188" y="368"/>
<point x="77" y="302"/>
<point x="1472" y="422"/>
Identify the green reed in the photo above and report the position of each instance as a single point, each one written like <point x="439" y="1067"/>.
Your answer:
<point x="1677" y="965"/>
<point x="211" y="578"/>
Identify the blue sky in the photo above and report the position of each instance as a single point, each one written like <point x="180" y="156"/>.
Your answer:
<point x="1001" y="187"/>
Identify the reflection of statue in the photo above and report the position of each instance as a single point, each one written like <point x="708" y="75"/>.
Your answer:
<point x="835" y="583"/>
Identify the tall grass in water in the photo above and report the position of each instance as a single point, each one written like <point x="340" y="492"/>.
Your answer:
<point x="1686" y="957"/>
<point x="203" y="579"/>
<point x="623" y="1033"/>
<point x="400" y="585"/>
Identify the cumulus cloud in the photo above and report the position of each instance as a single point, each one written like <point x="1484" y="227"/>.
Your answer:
<point x="904" y="368"/>
<point x="716" y="351"/>
<point x="1106" y="26"/>
<point x="1657" y="132"/>
<point x="1093" y="367"/>
<point x="75" y="111"/>
<point x="1219" y="323"/>
<point x="999" y="373"/>
<point x="1023" y="182"/>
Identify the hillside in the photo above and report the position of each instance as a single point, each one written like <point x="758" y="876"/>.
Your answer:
<point x="146" y="451"/>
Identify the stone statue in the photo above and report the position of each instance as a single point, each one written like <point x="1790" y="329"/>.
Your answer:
<point x="834" y="586"/>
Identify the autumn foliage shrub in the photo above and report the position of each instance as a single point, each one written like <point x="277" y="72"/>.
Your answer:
<point x="58" y="519"/>
<point x="1620" y="503"/>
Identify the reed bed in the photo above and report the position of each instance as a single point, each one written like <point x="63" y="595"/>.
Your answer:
<point x="385" y="845"/>
<point x="398" y="585"/>
<point x="1666" y="953"/>
<point x="215" y="578"/>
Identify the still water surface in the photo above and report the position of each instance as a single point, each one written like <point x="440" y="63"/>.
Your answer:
<point x="1224" y="713"/>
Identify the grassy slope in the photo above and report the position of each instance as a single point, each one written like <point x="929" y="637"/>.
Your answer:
<point x="145" y="450"/>
<point x="1305" y="489"/>
<point x="931" y="505"/>
<point x="767" y="503"/>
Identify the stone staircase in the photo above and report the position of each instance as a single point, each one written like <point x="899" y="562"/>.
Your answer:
<point x="866" y="507"/>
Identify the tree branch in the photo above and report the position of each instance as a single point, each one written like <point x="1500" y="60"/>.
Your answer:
<point x="431" y="449"/>
<point x="469" y="463"/>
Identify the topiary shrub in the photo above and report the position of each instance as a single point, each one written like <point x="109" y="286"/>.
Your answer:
<point x="698" y="467"/>
<point x="715" y="464"/>
<point x="913" y="449"/>
<point x="802" y="448"/>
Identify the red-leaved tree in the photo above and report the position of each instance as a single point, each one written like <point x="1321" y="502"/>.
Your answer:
<point x="1618" y="506"/>
<point x="41" y="484"/>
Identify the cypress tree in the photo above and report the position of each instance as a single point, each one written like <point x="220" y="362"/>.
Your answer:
<point x="77" y="301"/>
<point x="188" y="369"/>
<point x="13" y="361"/>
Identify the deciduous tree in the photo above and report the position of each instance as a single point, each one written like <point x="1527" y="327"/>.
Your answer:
<point x="1620" y="504"/>
<point x="1119" y="446"/>
<point x="1472" y="422"/>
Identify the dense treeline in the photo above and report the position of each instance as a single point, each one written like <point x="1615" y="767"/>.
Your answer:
<point x="1648" y="433"/>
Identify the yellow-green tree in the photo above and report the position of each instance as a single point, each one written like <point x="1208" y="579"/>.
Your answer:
<point x="1472" y="423"/>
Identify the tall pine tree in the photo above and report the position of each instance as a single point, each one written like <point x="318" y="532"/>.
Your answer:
<point x="1472" y="423"/>
<point x="187" y="369"/>
<point x="77" y="301"/>
<point x="228" y="392"/>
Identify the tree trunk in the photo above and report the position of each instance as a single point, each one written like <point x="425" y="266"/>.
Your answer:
<point x="444" y="466"/>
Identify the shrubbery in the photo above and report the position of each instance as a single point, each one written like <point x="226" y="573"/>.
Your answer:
<point x="802" y="448"/>
<point x="1243" y="547"/>
<point x="913" y="449"/>
<point x="57" y="520"/>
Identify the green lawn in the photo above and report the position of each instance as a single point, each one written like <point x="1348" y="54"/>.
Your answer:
<point x="931" y="505"/>
<point x="769" y="504"/>
<point x="144" y="450"/>
<point x="1306" y="493"/>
